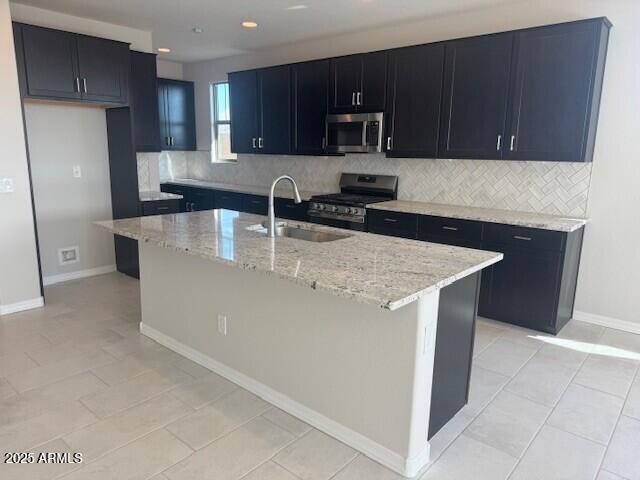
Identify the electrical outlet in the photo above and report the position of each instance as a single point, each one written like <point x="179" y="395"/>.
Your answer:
<point x="6" y="185"/>
<point x="222" y="324"/>
<point x="68" y="255"/>
<point x="77" y="171"/>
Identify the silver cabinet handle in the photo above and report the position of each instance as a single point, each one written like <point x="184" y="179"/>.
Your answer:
<point x="499" y="143"/>
<point x="161" y="209"/>
<point x="390" y="220"/>
<point x="453" y="229"/>
<point x="359" y="98"/>
<point x="388" y="143"/>
<point x="353" y="98"/>
<point x="253" y="142"/>
<point x="513" y="141"/>
<point x="260" y="143"/>
<point x="84" y="85"/>
<point x="166" y="141"/>
<point x="324" y="143"/>
<point x="519" y="237"/>
<point x="78" y="85"/>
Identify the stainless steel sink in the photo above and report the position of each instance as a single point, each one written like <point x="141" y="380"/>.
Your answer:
<point x="300" y="233"/>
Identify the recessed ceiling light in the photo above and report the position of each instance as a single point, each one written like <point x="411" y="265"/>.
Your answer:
<point x="296" y="7"/>
<point x="249" y="24"/>
<point x="164" y="50"/>
<point x="197" y="30"/>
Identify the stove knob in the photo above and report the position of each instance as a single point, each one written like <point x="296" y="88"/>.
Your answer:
<point x="320" y="207"/>
<point x="347" y="210"/>
<point x="334" y="208"/>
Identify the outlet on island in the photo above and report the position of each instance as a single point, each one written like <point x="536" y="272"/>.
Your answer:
<point x="222" y="324"/>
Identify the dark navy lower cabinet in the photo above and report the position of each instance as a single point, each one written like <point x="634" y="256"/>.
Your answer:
<point x="287" y="208"/>
<point x="534" y="285"/>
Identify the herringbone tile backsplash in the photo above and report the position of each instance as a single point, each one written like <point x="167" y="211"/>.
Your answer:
<point x="548" y="187"/>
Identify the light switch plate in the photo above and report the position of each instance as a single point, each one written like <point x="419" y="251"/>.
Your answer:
<point x="6" y="185"/>
<point x="77" y="171"/>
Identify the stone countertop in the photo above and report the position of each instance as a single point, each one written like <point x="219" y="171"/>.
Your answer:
<point x="373" y="269"/>
<point x="282" y="191"/>
<point x="508" y="217"/>
<point x="157" y="196"/>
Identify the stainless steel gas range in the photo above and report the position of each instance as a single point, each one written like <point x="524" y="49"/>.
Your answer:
<point x="347" y="209"/>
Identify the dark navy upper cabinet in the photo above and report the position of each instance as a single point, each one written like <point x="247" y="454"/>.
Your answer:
<point x="476" y="92"/>
<point x="104" y="67"/>
<point x="310" y="84"/>
<point x="414" y="101"/>
<point x="144" y="102"/>
<point x="261" y="110"/>
<point x="243" y="97"/>
<point x="60" y="65"/>
<point x="177" y="114"/>
<point x="51" y="63"/>
<point x="275" y="110"/>
<point x="557" y="80"/>
<point x="358" y="83"/>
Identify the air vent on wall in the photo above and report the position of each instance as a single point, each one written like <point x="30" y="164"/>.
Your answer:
<point x="68" y="255"/>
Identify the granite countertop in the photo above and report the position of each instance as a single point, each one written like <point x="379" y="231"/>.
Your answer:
<point x="508" y="217"/>
<point x="373" y="269"/>
<point x="156" y="196"/>
<point x="283" y="190"/>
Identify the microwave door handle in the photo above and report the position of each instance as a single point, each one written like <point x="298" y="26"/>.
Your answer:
<point x="365" y="125"/>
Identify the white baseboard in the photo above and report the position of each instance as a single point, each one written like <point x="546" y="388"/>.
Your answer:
<point x="624" y="325"/>
<point x="65" y="277"/>
<point x="22" y="306"/>
<point x="408" y="467"/>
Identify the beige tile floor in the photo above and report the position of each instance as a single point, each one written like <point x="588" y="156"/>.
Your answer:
<point x="76" y="376"/>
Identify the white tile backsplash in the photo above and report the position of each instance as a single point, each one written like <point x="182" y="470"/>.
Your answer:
<point x="559" y="188"/>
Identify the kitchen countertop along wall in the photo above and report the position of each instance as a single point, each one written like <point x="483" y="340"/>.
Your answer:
<point x="556" y="188"/>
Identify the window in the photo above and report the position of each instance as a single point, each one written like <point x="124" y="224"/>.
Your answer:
<point x="221" y="123"/>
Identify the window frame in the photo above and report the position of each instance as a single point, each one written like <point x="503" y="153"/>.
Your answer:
<point x="216" y="122"/>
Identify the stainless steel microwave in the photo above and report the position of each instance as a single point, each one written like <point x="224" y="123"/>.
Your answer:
<point x="354" y="133"/>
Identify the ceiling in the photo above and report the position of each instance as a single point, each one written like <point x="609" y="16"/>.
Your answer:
<point x="280" y="21"/>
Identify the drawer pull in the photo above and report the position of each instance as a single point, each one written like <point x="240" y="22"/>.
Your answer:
<point x="256" y="202"/>
<point x="519" y="237"/>
<point x="160" y="209"/>
<point x="390" y="220"/>
<point x="290" y="206"/>
<point x="453" y="229"/>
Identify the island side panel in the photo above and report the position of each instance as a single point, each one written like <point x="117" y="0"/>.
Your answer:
<point x="360" y="373"/>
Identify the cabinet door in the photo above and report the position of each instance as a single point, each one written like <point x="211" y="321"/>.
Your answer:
<point x="310" y="95"/>
<point x="373" y="87"/>
<point x="104" y="69"/>
<point x="476" y="85"/>
<point x="181" y="116"/>
<point x="201" y="199"/>
<point x="552" y="92"/>
<point x="415" y="97"/>
<point x="244" y="111"/>
<point x="144" y="102"/>
<point x="346" y="74"/>
<point x="163" y="115"/>
<point x="523" y="288"/>
<point x="275" y="110"/>
<point x="51" y="64"/>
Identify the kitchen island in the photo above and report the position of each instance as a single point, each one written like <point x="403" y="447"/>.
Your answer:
<point x="368" y="338"/>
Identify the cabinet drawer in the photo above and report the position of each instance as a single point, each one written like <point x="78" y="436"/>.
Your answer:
<point x="287" y="208"/>
<point x="255" y="204"/>
<point x="228" y="200"/>
<point x="160" y="207"/>
<point x="173" y="188"/>
<point x="524" y="237"/>
<point x="393" y="223"/>
<point x="458" y="231"/>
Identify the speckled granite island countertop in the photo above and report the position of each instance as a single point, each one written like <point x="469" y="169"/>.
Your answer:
<point x="373" y="269"/>
<point x="158" y="196"/>
<point x="491" y="215"/>
<point x="283" y="190"/>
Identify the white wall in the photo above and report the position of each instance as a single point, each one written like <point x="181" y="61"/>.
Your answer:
<point x="610" y="267"/>
<point x="19" y="282"/>
<point x="66" y="207"/>
<point x="169" y="69"/>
